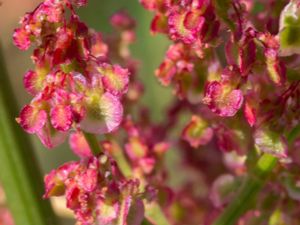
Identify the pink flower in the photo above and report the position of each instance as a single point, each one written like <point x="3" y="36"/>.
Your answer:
<point x="73" y="84"/>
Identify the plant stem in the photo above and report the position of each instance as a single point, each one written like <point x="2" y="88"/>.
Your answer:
<point x="19" y="171"/>
<point x="93" y="143"/>
<point x="252" y="186"/>
<point x="248" y="192"/>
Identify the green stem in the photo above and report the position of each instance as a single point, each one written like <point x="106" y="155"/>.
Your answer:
<point x="153" y="211"/>
<point x="19" y="171"/>
<point x="252" y="186"/>
<point x="121" y="160"/>
<point x="93" y="143"/>
<point x="248" y="192"/>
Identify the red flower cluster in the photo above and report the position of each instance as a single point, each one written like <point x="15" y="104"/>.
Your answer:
<point x="96" y="191"/>
<point x="73" y="84"/>
<point x="195" y="28"/>
<point x="224" y="70"/>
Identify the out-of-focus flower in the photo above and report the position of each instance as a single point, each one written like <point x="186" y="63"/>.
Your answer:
<point x="96" y="192"/>
<point x="197" y="132"/>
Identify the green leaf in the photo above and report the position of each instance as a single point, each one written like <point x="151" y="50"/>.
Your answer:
<point x="19" y="171"/>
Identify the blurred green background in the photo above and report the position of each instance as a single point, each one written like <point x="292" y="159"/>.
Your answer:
<point x="148" y="49"/>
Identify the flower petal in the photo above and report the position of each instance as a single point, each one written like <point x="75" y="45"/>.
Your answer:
<point x="115" y="79"/>
<point x="103" y="116"/>
<point x="61" y="117"/>
<point x="197" y="132"/>
<point x="21" y="39"/>
<point x="33" y="82"/>
<point x="32" y="119"/>
<point x="222" y="100"/>
<point x="51" y="137"/>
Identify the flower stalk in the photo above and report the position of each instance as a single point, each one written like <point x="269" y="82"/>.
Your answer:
<point x="19" y="171"/>
<point x="248" y="192"/>
<point x="93" y="143"/>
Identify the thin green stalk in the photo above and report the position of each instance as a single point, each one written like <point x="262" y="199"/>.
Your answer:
<point x="93" y="143"/>
<point x="19" y="171"/>
<point x="153" y="212"/>
<point x="248" y="192"/>
<point x="252" y="186"/>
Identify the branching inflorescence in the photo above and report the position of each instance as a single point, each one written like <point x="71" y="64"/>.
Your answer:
<point x="234" y="70"/>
